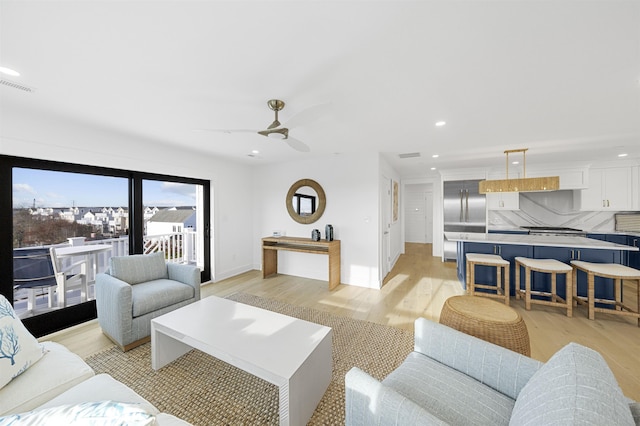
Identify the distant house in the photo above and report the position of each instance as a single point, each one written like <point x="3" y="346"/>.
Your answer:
<point x="70" y="215"/>
<point x="171" y="220"/>
<point x="149" y="212"/>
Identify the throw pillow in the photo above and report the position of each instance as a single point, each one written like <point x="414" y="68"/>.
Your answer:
<point x="574" y="387"/>
<point x="100" y="413"/>
<point x="18" y="348"/>
<point x="139" y="268"/>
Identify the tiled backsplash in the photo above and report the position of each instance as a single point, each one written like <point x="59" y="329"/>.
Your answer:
<point x="551" y="209"/>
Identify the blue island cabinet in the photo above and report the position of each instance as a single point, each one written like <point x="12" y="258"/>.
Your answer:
<point x="634" y="256"/>
<point x="487" y="274"/>
<point x="603" y="286"/>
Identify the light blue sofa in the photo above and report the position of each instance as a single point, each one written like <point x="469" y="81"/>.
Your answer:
<point x="137" y="289"/>
<point x="457" y="379"/>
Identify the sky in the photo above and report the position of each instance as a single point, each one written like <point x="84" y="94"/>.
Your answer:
<point x="63" y="189"/>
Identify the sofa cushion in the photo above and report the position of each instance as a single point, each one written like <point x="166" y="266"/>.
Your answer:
<point x="153" y="295"/>
<point x="58" y="370"/>
<point x="139" y="268"/>
<point x="18" y="348"/>
<point x="575" y="386"/>
<point x="101" y="387"/>
<point x="94" y="413"/>
<point x="448" y="394"/>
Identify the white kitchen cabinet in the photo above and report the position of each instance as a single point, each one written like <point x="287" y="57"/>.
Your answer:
<point x="503" y="201"/>
<point x="609" y="189"/>
<point x="570" y="178"/>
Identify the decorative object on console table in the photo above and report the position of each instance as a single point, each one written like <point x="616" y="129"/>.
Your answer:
<point x="315" y="235"/>
<point x="271" y="246"/>
<point x="328" y="232"/>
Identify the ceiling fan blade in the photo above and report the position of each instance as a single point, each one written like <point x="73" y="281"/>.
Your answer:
<point x="226" y="130"/>
<point x="308" y="115"/>
<point x="298" y="145"/>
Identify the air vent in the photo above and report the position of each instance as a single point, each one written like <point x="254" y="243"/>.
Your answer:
<point x="15" y="85"/>
<point x="409" y="155"/>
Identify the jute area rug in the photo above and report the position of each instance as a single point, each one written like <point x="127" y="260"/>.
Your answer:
<point x="205" y="391"/>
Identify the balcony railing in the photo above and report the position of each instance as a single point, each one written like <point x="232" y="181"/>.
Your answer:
<point x="179" y="247"/>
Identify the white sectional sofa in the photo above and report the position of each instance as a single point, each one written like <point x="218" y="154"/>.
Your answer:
<point x="61" y="379"/>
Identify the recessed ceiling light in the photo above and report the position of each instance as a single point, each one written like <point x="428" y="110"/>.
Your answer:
<point x="9" y="71"/>
<point x="516" y="162"/>
<point x="435" y="156"/>
<point x="255" y="151"/>
<point x="433" y="168"/>
<point x="622" y="155"/>
<point x="440" y="123"/>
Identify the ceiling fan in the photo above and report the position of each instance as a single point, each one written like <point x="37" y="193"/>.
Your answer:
<point x="276" y="130"/>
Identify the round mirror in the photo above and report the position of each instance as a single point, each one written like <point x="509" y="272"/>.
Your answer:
<point x="306" y="201"/>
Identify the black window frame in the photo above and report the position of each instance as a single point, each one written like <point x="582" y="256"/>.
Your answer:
<point x="50" y="322"/>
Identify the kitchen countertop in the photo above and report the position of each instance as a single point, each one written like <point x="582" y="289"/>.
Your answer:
<point x="538" y="240"/>
<point x="517" y="229"/>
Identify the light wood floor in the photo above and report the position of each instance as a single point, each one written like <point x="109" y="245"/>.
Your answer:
<point x="417" y="286"/>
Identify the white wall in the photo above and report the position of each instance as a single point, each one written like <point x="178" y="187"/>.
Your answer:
<point x="46" y="136"/>
<point x="350" y="183"/>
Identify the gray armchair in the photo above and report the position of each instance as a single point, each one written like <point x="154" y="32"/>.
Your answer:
<point x="454" y="378"/>
<point x="137" y="289"/>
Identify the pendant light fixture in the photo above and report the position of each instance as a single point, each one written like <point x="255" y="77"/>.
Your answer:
<point x="524" y="184"/>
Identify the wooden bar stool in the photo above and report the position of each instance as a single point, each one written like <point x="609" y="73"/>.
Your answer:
<point x="546" y="266"/>
<point x="502" y="270"/>
<point x="606" y="270"/>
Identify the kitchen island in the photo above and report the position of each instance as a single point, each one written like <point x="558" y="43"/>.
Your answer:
<point x="562" y="248"/>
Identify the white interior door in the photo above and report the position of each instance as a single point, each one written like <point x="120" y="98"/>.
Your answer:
<point x="418" y="214"/>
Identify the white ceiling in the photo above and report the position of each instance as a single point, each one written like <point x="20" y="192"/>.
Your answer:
<point x="561" y="78"/>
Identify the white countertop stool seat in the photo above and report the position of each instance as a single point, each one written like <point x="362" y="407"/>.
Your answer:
<point x="607" y="270"/>
<point x="550" y="298"/>
<point x="501" y="289"/>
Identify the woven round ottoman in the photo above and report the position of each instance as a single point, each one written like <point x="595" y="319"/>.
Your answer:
<point x="488" y="320"/>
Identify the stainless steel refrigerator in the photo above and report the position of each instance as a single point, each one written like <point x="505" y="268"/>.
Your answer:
<point x="465" y="212"/>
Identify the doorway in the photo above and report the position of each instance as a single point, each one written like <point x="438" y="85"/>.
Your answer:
<point x="418" y="213"/>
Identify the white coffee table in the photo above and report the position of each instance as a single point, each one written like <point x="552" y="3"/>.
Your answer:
<point x="293" y="354"/>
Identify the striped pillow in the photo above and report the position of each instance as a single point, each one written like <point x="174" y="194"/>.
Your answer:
<point x="139" y="268"/>
<point x="574" y="387"/>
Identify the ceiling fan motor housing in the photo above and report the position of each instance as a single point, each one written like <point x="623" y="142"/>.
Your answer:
<point x="275" y="105"/>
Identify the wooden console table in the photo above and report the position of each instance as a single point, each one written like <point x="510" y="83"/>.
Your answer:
<point x="271" y="245"/>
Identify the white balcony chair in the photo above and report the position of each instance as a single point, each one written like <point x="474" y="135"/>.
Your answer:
<point x="68" y="277"/>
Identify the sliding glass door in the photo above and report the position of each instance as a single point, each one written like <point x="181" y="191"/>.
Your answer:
<point x="63" y="222"/>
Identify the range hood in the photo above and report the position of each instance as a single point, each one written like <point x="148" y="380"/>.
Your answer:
<point x="524" y="184"/>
